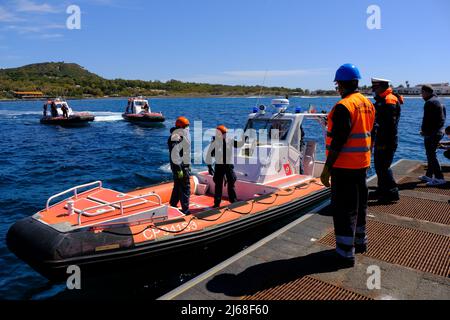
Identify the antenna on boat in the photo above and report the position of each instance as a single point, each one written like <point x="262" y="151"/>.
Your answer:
<point x="260" y="92"/>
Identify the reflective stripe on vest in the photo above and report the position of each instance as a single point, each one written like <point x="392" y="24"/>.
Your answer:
<point x="355" y="153"/>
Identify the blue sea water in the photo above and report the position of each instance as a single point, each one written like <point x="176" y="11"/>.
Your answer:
<point x="38" y="160"/>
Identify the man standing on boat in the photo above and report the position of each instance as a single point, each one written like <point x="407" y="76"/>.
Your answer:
<point x="180" y="151"/>
<point x="350" y="124"/>
<point x="221" y="149"/>
<point x="385" y="139"/>
<point x="44" y="112"/>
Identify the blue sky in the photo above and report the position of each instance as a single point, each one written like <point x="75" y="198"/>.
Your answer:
<point x="298" y="43"/>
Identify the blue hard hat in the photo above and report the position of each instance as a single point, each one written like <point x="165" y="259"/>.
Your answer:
<point x="347" y="72"/>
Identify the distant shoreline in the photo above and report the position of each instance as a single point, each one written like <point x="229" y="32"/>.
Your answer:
<point x="194" y="96"/>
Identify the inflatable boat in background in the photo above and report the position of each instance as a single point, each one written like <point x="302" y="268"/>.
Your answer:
<point x="138" y="111"/>
<point x="57" y="117"/>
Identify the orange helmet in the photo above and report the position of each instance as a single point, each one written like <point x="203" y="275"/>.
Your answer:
<point x="222" y="129"/>
<point x="181" y="122"/>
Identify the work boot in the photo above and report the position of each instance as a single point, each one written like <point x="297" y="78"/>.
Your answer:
<point x="373" y="195"/>
<point x="361" y="248"/>
<point x="389" y="197"/>
<point x="339" y="261"/>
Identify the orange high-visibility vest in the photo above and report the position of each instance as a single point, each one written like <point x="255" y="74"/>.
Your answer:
<point x="390" y="97"/>
<point x="355" y="154"/>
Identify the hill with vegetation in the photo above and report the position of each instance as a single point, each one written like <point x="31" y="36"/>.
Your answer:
<point x="72" y="80"/>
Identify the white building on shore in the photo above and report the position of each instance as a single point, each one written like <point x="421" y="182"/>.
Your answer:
<point x="439" y="89"/>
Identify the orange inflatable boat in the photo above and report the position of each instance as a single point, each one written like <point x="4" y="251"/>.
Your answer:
<point x="90" y="225"/>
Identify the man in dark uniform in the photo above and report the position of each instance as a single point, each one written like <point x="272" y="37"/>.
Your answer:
<point x="385" y="139"/>
<point x="179" y="151"/>
<point x="53" y="109"/>
<point x="65" y="110"/>
<point x="221" y="150"/>
<point x="45" y="109"/>
<point x="434" y="116"/>
<point x="350" y="123"/>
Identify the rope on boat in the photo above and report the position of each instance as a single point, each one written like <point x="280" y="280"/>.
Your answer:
<point x="299" y="187"/>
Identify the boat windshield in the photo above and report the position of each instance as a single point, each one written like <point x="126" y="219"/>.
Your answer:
<point x="139" y="103"/>
<point x="267" y="125"/>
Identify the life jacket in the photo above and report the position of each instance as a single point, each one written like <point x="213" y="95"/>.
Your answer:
<point x="355" y="153"/>
<point x="392" y="98"/>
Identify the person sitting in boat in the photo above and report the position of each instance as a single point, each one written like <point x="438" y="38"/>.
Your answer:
<point x="179" y="141"/>
<point x="65" y="110"/>
<point x="146" y="108"/>
<point x="53" y="109"/>
<point x="221" y="149"/>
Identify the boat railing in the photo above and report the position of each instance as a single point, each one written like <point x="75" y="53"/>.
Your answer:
<point x="75" y="191"/>
<point x="120" y="203"/>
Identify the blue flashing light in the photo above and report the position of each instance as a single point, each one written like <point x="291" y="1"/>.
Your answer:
<point x="298" y="109"/>
<point x="255" y="110"/>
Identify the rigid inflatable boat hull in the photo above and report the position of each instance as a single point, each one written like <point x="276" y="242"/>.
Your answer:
<point x="144" y="119"/>
<point x="77" y="120"/>
<point x="50" y="252"/>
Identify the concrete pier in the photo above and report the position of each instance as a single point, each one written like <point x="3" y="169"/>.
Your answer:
<point x="408" y="256"/>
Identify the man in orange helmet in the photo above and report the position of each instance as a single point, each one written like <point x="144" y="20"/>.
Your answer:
<point x="179" y="151"/>
<point x="221" y="149"/>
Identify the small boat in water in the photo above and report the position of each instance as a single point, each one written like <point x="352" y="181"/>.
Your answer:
<point x="62" y="114"/>
<point x="138" y="111"/>
<point x="91" y="225"/>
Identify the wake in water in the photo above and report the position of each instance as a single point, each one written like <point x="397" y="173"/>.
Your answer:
<point x="99" y="116"/>
<point x="15" y="113"/>
<point x="107" y="116"/>
<point x="165" y="168"/>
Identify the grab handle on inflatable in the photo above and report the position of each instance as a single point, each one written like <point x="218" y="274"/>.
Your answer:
<point x="75" y="191"/>
<point x="120" y="202"/>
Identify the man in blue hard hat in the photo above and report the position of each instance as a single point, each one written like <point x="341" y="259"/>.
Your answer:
<point x="350" y="124"/>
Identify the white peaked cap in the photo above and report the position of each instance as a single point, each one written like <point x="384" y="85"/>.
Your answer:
<point x="380" y="80"/>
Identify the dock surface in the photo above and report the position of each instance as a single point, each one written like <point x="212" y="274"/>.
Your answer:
<point x="408" y="255"/>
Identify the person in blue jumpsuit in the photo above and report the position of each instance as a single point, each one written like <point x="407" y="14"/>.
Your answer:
<point x="179" y="152"/>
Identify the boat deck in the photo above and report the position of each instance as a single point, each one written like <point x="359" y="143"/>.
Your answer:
<point x="409" y="244"/>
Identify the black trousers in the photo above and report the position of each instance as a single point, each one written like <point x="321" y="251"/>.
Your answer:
<point x="221" y="171"/>
<point x="349" y="195"/>
<point x="383" y="161"/>
<point x="181" y="191"/>
<point x="431" y="145"/>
